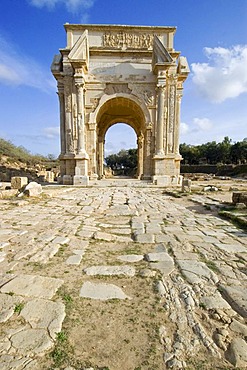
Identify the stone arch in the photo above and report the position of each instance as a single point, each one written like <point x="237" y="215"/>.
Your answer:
<point x="112" y="73"/>
<point x="126" y="109"/>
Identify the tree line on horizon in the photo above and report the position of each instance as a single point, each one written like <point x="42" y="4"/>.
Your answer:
<point x="225" y="152"/>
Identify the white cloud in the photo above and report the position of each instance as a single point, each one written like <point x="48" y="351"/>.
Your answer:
<point x="18" y="69"/>
<point x="184" y="128"/>
<point x="51" y="132"/>
<point x="203" y="124"/>
<point x="71" y="5"/>
<point x="224" y="76"/>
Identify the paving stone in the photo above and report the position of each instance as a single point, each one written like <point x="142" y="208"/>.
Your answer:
<point x="237" y="353"/>
<point x="44" y="255"/>
<point x="238" y="327"/>
<point x="231" y="248"/>
<point x="32" y="286"/>
<point x="102" y="291"/>
<point x="144" y="238"/>
<point x="6" y="278"/>
<point x="33" y="341"/>
<point x="61" y="240"/>
<point x="99" y="235"/>
<point x="157" y="257"/>
<point x="44" y="314"/>
<point x="196" y="272"/>
<point x="165" y="267"/>
<point x="74" y="260"/>
<point x="7" y="306"/>
<point x="215" y="302"/>
<point x="131" y="258"/>
<point x="9" y="362"/>
<point x="147" y="273"/>
<point x="236" y="296"/>
<point x="110" y="270"/>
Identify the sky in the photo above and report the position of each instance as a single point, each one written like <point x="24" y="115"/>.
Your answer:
<point x="212" y="34"/>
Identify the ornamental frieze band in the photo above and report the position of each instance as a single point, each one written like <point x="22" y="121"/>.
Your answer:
<point x="128" y="40"/>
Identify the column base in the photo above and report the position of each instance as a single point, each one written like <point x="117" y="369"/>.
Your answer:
<point x="67" y="180"/>
<point x="93" y="176"/>
<point x="81" y="180"/>
<point x="167" y="180"/>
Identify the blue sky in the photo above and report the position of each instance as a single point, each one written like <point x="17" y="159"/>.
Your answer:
<point x="212" y="34"/>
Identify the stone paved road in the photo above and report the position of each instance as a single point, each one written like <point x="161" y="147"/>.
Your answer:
<point x="168" y="279"/>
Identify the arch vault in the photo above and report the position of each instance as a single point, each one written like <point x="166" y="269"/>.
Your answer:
<point x="109" y="74"/>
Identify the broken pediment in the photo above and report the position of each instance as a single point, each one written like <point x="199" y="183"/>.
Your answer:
<point x="183" y="66"/>
<point x="80" y="51"/>
<point x="56" y="66"/>
<point x="160" y="54"/>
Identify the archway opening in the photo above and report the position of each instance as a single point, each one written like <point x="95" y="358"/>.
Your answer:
<point x="116" y="110"/>
<point x="120" y="151"/>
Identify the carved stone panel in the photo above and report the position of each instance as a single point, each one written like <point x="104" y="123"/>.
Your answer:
<point x="126" y="40"/>
<point x="117" y="88"/>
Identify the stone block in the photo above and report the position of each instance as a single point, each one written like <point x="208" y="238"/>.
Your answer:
<point x="67" y="180"/>
<point x="18" y="182"/>
<point x="33" y="189"/>
<point x="81" y="180"/>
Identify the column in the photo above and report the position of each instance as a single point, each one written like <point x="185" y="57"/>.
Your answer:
<point x="101" y="157"/>
<point x="80" y="119"/>
<point x="140" y="155"/>
<point x="68" y="118"/>
<point x="172" y="114"/>
<point x="62" y="118"/>
<point x="160" y="120"/>
<point x="177" y="127"/>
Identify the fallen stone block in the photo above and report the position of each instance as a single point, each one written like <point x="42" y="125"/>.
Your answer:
<point x="33" y="189"/>
<point x="18" y="182"/>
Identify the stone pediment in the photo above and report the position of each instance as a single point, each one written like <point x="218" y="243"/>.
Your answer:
<point x="160" y="54"/>
<point x="80" y="51"/>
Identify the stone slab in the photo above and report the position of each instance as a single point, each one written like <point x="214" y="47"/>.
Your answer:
<point x="7" y="306"/>
<point x="9" y="362"/>
<point x="32" y="341"/>
<point x="215" y="302"/>
<point x="157" y="257"/>
<point x="196" y="272"/>
<point x="33" y="286"/>
<point x="110" y="270"/>
<point x="165" y="267"/>
<point x="144" y="238"/>
<point x="74" y="260"/>
<point x="238" y="327"/>
<point x="236" y="296"/>
<point x="131" y="258"/>
<point x="61" y="240"/>
<point x="102" y="291"/>
<point x="44" y="314"/>
<point x="237" y="353"/>
<point x="231" y="248"/>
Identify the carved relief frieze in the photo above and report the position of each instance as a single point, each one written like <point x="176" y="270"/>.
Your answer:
<point x="117" y="88"/>
<point x="144" y="92"/>
<point x="126" y="40"/>
<point x="94" y="103"/>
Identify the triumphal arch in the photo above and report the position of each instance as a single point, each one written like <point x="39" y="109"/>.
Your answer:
<point x="110" y="74"/>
